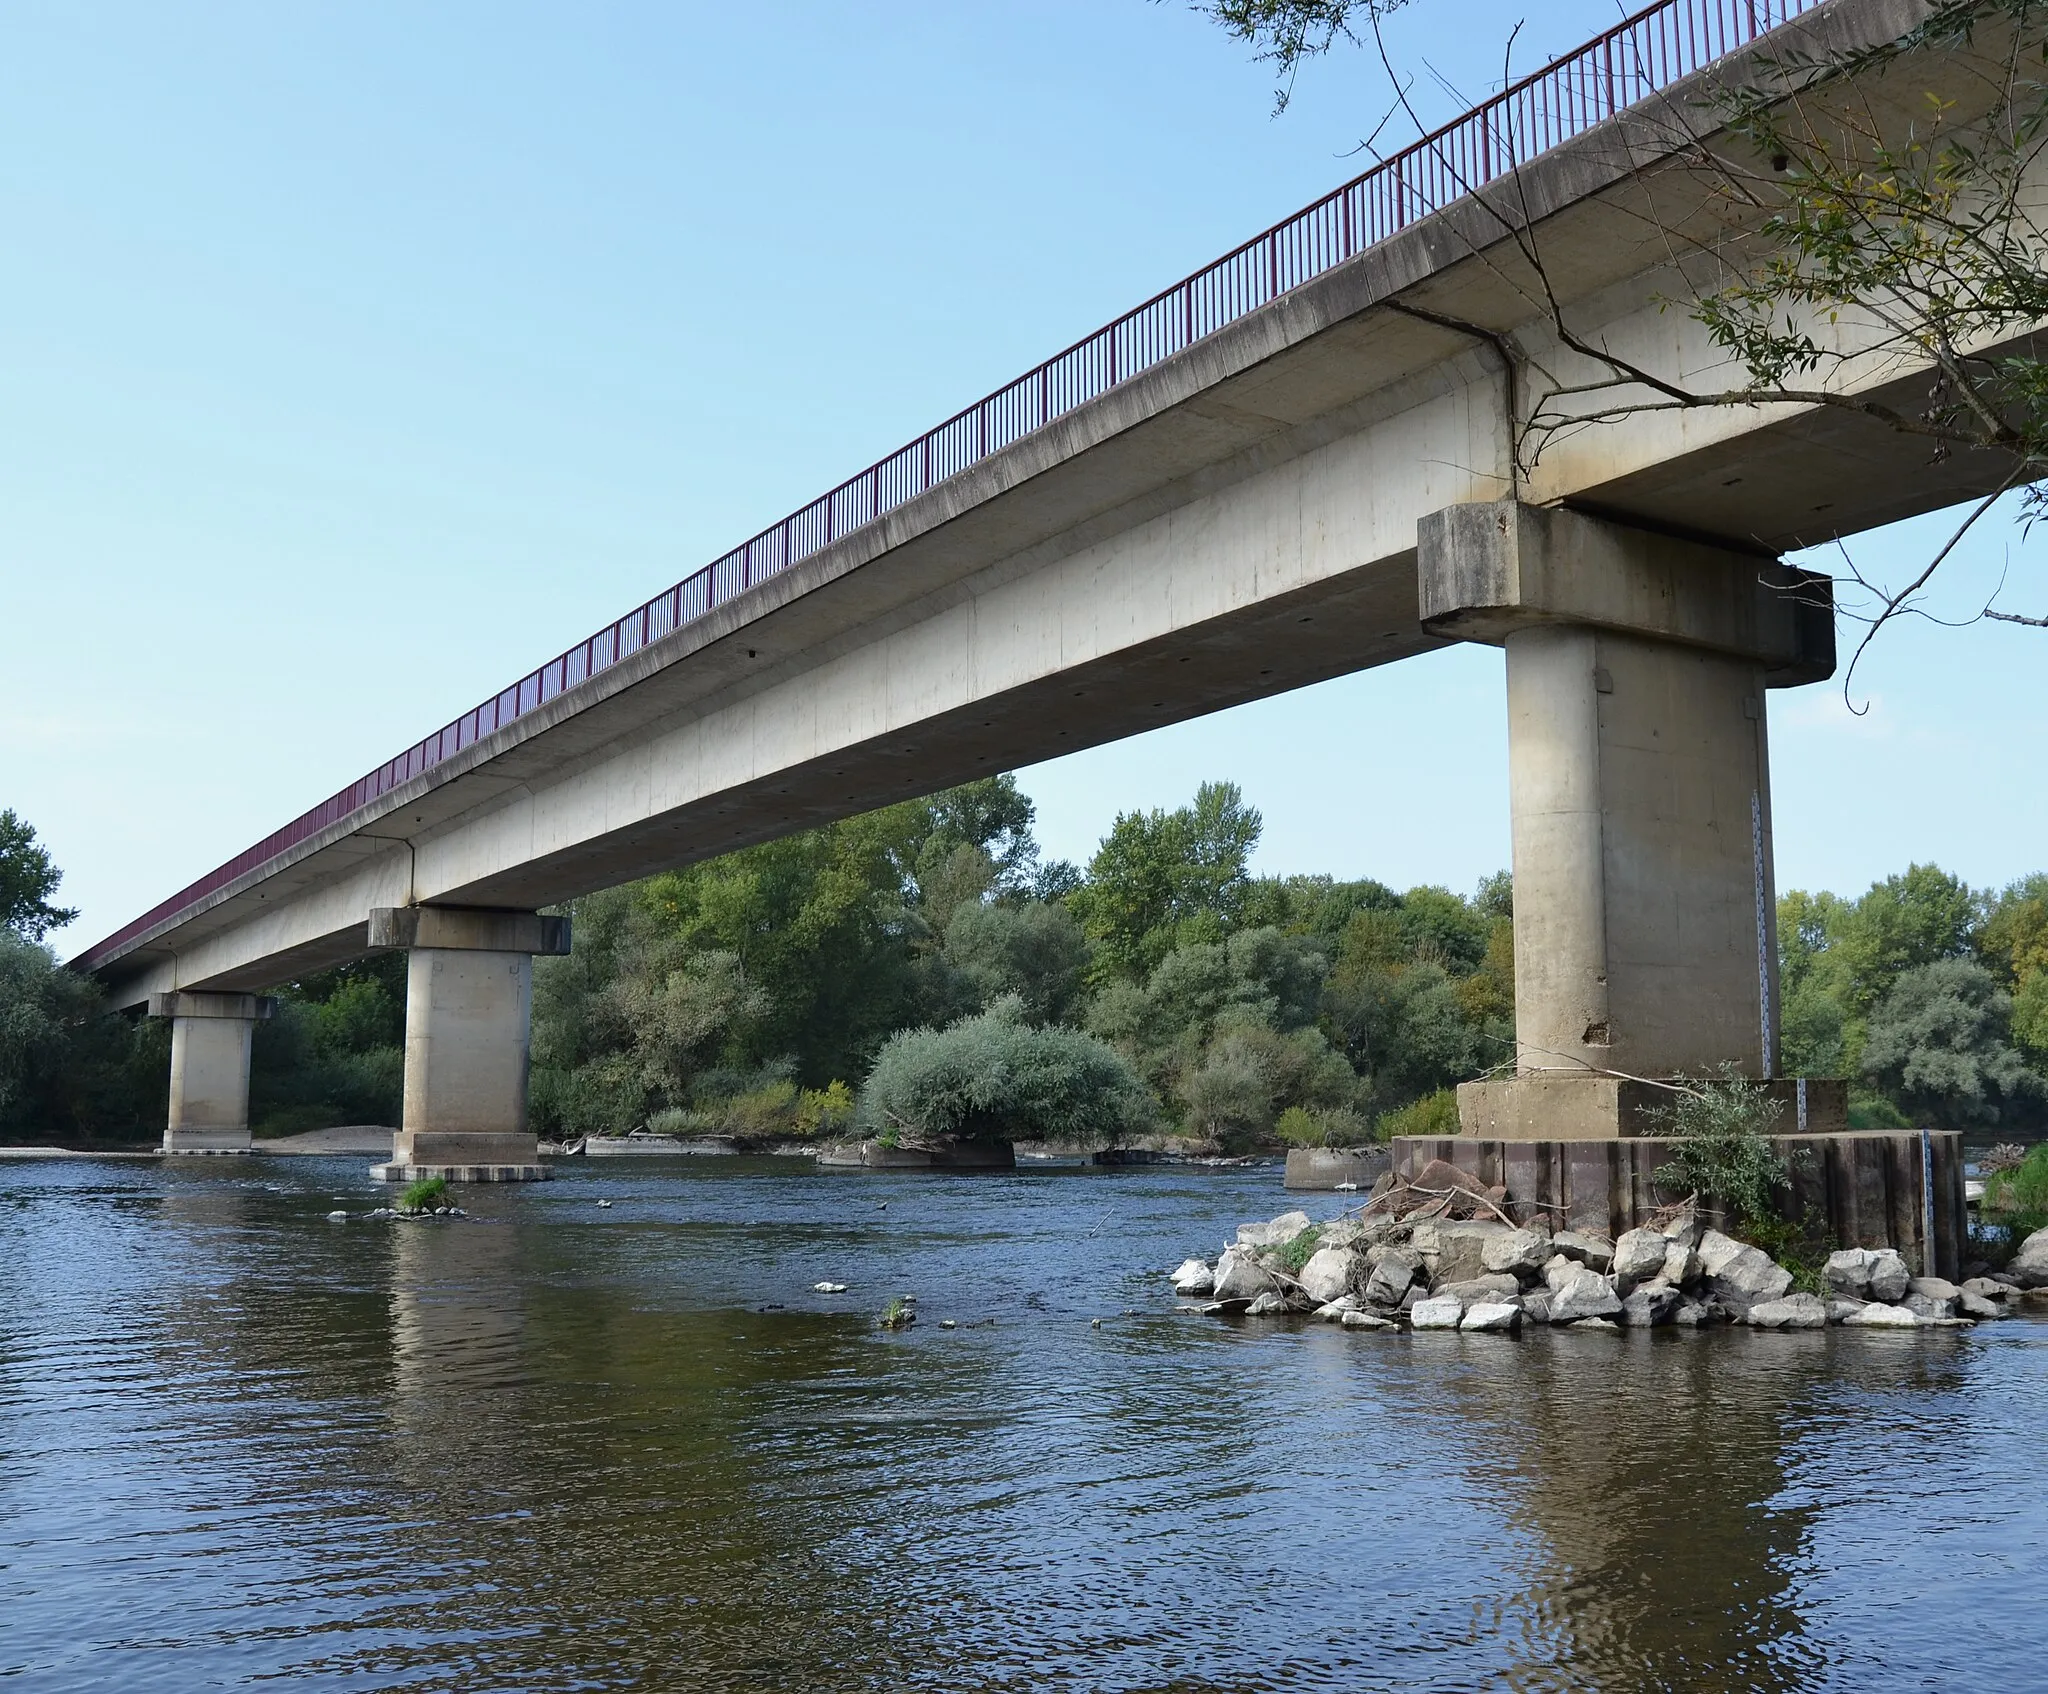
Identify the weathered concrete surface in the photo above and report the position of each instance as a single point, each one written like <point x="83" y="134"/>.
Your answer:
<point x="1236" y="521"/>
<point x="945" y="1155"/>
<point x="1864" y="1186"/>
<point x="468" y="1026"/>
<point x="1565" y="1107"/>
<point x="1639" y="777"/>
<point x="1335" y="1167"/>
<point x="211" y="1035"/>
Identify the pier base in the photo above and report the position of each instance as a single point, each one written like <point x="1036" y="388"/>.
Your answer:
<point x="1860" y="1188"/>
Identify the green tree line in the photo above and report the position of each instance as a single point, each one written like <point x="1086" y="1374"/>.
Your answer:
<point x="922" y="967"/>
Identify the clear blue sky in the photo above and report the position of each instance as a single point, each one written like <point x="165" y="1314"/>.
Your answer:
<point x="354" y="358"/>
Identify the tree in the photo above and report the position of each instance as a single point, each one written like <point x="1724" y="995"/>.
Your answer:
<point x="1157" y="873"/>
<point x="996" y="1077"/>
<point x="1902" y="923"/>
<point x="27" y="880"/>
<point x="1939" y="1043"/>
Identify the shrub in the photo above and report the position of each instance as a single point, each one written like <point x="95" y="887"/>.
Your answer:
<point x="1293" y="1255"/>
<point x="2018" y="1197"/>
<point x="994" y="1077"/>
<point x="1333" y="1126"/>
<point x="1720" y="1129"/>
<point x="424" y="1195"/>
<point x="1433" y="1114"/>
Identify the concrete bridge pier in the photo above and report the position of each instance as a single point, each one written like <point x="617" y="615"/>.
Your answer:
<point x="468" y="1027"/>
<point x="1645" y="905"/>
<point x="210" y="1039"/>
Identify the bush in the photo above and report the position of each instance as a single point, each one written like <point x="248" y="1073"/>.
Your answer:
<point x="1433" y="1114"/>
<point x="1334" y="1126"/>
<point x="1720" y="1131"/>
<point x="994" y="1077"/>
<point x="2018" y="1198"/>
<point x="424" y="1195"/>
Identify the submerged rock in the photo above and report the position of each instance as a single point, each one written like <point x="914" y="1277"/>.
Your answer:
<point x="1333" y="1310"/>
<point x="1270" y="1305"/>
<point x="1443" y="1313"/>
<point x="1650" y="1305"/>
<point x="1879" y="1316"/>
<point x="1794" y="1311"/>
<point x="1365" y="1320"/>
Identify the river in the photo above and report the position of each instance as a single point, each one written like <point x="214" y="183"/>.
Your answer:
<point x="559" y="1445"/>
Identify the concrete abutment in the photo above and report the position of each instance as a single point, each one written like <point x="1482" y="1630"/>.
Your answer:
<point x="468" y="1030"/>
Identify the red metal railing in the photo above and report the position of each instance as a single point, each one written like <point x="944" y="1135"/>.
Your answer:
<point x="1655" y="48"/>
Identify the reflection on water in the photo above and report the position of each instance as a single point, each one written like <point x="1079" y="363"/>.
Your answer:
<point x="561" y="1447"/>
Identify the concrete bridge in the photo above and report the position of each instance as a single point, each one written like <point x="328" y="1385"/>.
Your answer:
<point x="1299" y="463"/>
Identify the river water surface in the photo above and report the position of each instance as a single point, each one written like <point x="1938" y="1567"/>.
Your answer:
<point x="558" y="1445"/>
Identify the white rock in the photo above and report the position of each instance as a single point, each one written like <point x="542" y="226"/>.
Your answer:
<point x="1971" y="1304"/>
<point x="1436" y="1314"/>
<point x="1681" y="1262"/>
<point x="1390" y="1279"/>
<point x="1194" y="1277"/>
<point x="1559" y="1270"/>
<point x="1652" y="1304"/>
<point x="1271" y="1305"/>
<point x="1794" y="1311"/>
<point x="1493" y="1317"/>
<point x="1928" y="1305"/>
<point x="1841" y="1311"/>
<point x="1986" y="1289"/>
<point x="1459" y="1252"/>
<point x="828" y="1288"/>
<point x="1333" y="1310"/>
<point x="1639" y="1255"/>
<point x="1879" y="1316"/>
<point x="1595" y="1251"/>
<point x="1278" y="1233"/>
<point x="2029" y="1267"/>
<point x="1889" y="1278"/>
<point x="337" y="1217"/>
<point x="1519" y="1252"/>
<point x="1848" y="1272"/>
<point x="1239" y="1278"/>
<point x="1584" y="1294"/>
<point x="1740" y="1276"/>
<point x="1328" y="1273"/>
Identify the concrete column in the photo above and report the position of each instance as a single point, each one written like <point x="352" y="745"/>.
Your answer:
<point x="210" y="1040"/>
<point x="1639" y="773"/>
<point x="468" y="1026"/>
